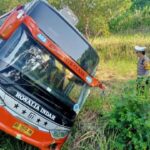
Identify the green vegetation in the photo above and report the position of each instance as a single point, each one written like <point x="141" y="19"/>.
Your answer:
<point x="130" y="120"/>
<point x="98" y="18"/>
<point x="134" y="20"/>
<point x="120" y="122"/>
<point x="120" y="119"/>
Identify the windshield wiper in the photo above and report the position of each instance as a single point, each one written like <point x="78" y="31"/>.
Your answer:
<point x="8" y="82"/>
<point x="5" y="83"/>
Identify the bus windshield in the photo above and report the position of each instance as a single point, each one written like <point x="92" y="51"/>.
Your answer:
<point x="64" y="35"/>
<point x="25" y="55"/>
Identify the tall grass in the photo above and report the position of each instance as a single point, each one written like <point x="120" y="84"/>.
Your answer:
<point x="118" y="47"/>
<point x="117" y="56"/>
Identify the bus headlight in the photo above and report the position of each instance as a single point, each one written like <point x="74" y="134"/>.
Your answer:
<point x="59" y="134"/>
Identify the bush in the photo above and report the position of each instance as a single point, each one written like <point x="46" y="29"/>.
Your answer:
<point x="130" y="119"/>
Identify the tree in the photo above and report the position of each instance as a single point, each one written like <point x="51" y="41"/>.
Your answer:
<point x="7" y="5"/>
<point x="94" y="15"/>
<point x="139" y="4"/>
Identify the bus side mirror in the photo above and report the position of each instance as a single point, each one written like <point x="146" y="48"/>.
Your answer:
<point x="11" y="23"/>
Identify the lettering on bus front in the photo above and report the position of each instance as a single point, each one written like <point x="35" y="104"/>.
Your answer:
<point x="34" y="105"/>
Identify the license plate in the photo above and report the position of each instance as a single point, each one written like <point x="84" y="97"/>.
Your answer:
<point x="23" y="129"/>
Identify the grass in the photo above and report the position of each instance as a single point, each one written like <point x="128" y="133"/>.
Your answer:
<point x="118" y="70"/>
<point x="9" y="143"/>
<point x="119" y="47"/>
<point x="89" y="132"/>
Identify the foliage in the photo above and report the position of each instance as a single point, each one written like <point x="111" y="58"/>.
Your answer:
<point x="134" y="20"/>
<point x="93" y="15"/>
<point x="6" y="5"/>
<point x="130" y="119"/>
<point x="119" y="47"/>
<point x="98" y="18"/>
<point x="139" y="4"/>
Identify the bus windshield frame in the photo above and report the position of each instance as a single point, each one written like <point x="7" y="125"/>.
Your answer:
<point x="29" y="58"/>
<point x="68" y="38"/>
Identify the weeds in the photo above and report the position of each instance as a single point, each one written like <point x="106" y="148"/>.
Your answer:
<point x="130" y="120"/>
